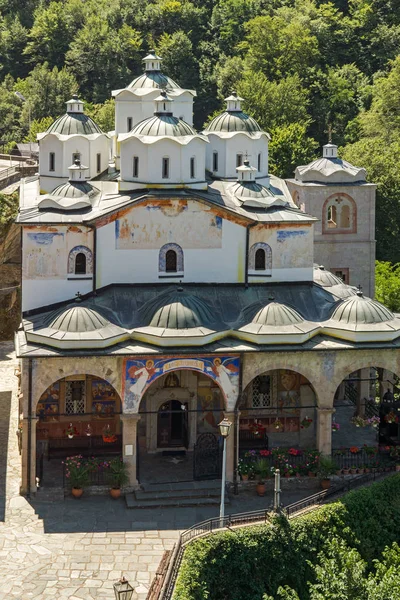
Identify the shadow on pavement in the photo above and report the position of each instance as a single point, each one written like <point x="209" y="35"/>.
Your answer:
<point x="5" y="404"/>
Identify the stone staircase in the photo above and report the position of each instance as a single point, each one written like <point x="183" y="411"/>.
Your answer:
<point x="186" y="493"/>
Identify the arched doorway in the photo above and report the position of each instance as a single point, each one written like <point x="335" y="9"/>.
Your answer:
<point x="172" y="425"/>
<point x="176" y="409"/>
<point x="77" y="415"/>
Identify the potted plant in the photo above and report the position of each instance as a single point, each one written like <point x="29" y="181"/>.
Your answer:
<point x="359" y="421"/>
<point x="305" y="423"/>
<point x="108" y="435"/>
<point x="262" y="470"/>
<point x="353" y="470"/>
<point x="244" y="469"/>
<point x="395" y="455"/>
<point x="119" y="476"/>
<point x="71" y="431"/>
<point x="77" y="473"/>
<point x="326" y="467"/>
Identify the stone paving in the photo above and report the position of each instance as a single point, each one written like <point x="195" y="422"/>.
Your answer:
<point x="78" y="548"/>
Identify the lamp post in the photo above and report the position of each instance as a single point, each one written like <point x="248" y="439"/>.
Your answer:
<point x="224" y="428"/>
<point x="277" y="491"/>
<point x="123" y="589"/>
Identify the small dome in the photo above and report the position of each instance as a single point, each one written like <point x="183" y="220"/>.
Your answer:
<point x="181" y="311"/>
<point x="163" y="125"/>
<point x="72" y="195"/>
<point x="75" y="189"/>
<point x="232" y="122"/>
<point x="153" y="79"/>
<point x="73" y="124"/>
<point x="326" y="278"/>
<point x="276" y="314"/>
<point x="360" y="310"/>
<point x="77" y="319"/>
<point x="250" y="189"/>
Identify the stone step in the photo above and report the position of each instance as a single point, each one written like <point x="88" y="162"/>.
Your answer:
<point x="212" y="484"/>
<point x="169" y="494"/>
<point x="131" y="502"/>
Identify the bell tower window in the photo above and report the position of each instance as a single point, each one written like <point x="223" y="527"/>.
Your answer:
<point x="339" y="214"/>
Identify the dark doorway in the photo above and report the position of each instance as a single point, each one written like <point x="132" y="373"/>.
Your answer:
<point x="172" y="426"/>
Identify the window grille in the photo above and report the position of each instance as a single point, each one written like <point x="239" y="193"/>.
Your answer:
<point x="80" y="264"/>
<point x="170" y="261"/>
<point x="75" y="397"/>
<point x="260" y="260"/>
<point x="261" y="392"/>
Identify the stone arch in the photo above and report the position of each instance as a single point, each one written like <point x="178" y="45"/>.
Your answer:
<point x="268" y="256"/>
<point x="346" y="369"/>
<point x="339" y="214"/>
<point x="72" y="259"/>
<point x="162" y="257"/>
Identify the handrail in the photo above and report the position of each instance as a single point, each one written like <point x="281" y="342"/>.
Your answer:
<point x="256" y="516"/>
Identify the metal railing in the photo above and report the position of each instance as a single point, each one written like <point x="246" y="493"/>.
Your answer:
<point x="257" y="516"/>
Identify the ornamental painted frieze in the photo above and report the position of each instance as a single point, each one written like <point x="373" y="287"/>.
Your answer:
<point x="139" y="374"/>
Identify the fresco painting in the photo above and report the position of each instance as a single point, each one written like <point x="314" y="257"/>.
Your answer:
<point x="49" y="403"/>
<point x="104" y="398"/>
<point x="140" y="373"/>
<point x="209" y="402"/>
<point x="44" y="255"/>
<point x="187" y="223"/>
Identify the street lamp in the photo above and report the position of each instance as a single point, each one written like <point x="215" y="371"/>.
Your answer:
<point x="123" y="589"/>
<point x="224" y="428"/>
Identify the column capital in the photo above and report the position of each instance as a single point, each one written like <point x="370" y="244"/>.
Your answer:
<point x="326" y="411"/>
<point x="130" y="417"/>
<point x="32" y="418"/>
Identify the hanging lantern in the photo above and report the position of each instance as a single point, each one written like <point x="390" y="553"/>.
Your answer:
<point x="123" y="590"/>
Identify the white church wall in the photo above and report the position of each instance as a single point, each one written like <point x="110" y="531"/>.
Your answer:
<point x="216" y="145"/>
<point x="128" y="248"/>
<point x="228" y="148"/>
<point x="45" y="278"/>
<point x="47" y="145"/>
<point x="150" y="160"/>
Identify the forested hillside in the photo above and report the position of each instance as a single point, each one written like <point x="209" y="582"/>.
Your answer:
<point x="300" y="65"/>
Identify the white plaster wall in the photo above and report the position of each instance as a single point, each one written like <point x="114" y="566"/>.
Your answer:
<point x="128" y="104"/>
<point x="45" y="278"/>
<point x="51" y="144"/>
<point x="291" y="245"/>
<point x="228" y="148"/>
<point x="150" y="160"/>
<point x="222" y="264"/>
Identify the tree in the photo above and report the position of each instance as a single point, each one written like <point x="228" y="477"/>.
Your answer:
<point x="387" y="284"/>
<point x="178" y="58"/>
<point x="384" y="584"/>
<point x="13" y="38"/>
<point x="46" y="91"/>
<point x="289" y="147"/>
<point x="38" y="126"/>
<point x="102" y="114"/>
<point x="10" y="112"/>
<point x="339" y="573"/>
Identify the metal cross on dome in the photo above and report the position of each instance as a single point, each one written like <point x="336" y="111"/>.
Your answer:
<point x="329" y="131"/>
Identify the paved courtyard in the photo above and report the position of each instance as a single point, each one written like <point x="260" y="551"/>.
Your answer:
<point x="79" y="548"/>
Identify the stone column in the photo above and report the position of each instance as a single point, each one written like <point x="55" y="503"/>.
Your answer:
<point x="230" y="447"/>
<point x="129" y="445"/>
<point x="25" y="489"/>
<point x="363" y="390"/>
<point x="324" y="430"/>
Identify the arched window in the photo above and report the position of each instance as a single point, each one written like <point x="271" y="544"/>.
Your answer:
<point x="80" y="261"/>
<point x="170" y="261"/>
<point x="339" y="214"/>
<point x="259" y="262"/>
<point x="80" y="264"/>
<point x="260" y="259"/>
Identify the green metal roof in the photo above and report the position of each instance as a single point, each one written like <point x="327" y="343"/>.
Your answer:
<point x="73" y="124"/>
<point x="160" y="125"/>
<point x="276" y="314"/>
<point x="77" y="319"/>
<point x="153" y="79"/>
<point x="235" y="121"/>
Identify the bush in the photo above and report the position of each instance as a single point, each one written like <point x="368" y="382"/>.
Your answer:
<point x="254" y="562"/>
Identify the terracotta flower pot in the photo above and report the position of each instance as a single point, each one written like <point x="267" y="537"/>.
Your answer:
<point x="345" y="471"/>
<point x="325" y="484"/>
<point x="311" y="474"/>
<point x="245" y="477"/>
<point x="115" y="493"/>
<point x="261" y="489"/>
<point x="77" y="492"/>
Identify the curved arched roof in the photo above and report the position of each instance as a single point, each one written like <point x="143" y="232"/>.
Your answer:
<point x="360" y="310"/>
<point x="163" y="125"/>
<point x="276" y="314"/>
<point x="153" y="79"/>
<point x="231" y="122"/>
<point x="74" y="124"/>
<point x="78" y="319"/>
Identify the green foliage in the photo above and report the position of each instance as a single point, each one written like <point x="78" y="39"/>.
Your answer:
<point x="330" y="554"/>
<point x="387" y="284"/>
<point x="8" y="208"/>
<point x="38" y="126"/>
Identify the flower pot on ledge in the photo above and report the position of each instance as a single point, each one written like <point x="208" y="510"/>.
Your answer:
<point x="115" y="493"/>
<point x="77" y="492"/>
<point x="261" y="488"/>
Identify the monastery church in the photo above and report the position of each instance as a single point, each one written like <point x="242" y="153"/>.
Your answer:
<point x="169" y="279"/>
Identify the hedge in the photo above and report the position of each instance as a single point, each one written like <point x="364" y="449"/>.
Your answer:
<point x="247" y="563"/>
